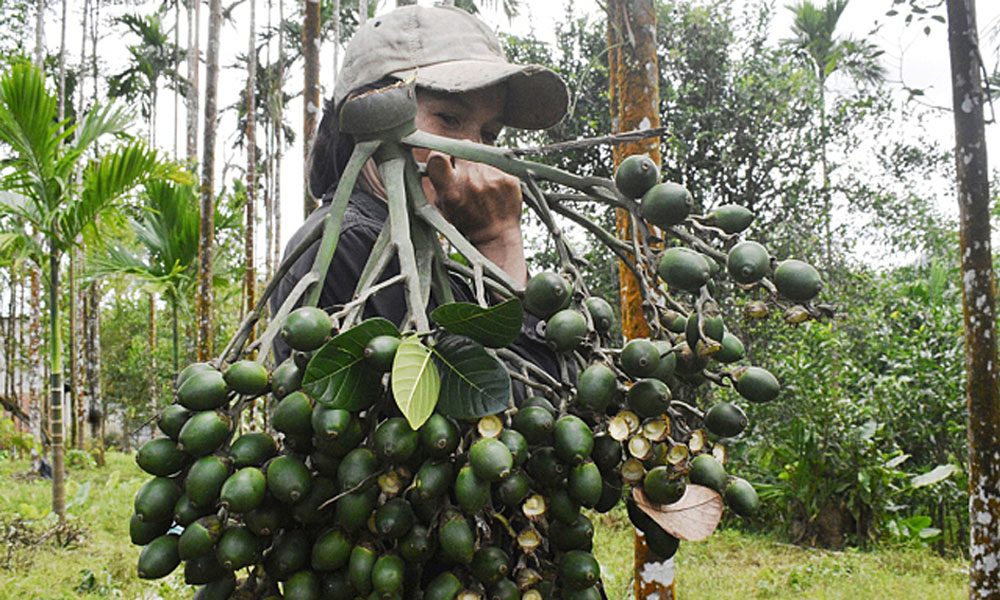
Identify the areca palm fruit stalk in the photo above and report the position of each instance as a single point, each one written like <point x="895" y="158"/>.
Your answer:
<point x="666" y="204"/>
<point x="756" y="384"/>
<point x="797" y="280"/>
<point x="684" y="269"/>
<point x="636" y="175"/>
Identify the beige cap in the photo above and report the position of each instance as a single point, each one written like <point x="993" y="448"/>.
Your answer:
<point x="448" y="50"/>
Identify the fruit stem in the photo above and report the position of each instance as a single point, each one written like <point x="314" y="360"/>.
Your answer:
<point x="391" y="164"/>
<point x="334" y="219"/>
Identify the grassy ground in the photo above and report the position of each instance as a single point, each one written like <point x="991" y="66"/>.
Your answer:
<point x="99" y="562"/>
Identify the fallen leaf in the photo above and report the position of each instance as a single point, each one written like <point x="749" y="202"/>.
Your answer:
<point x="692" y="518"/>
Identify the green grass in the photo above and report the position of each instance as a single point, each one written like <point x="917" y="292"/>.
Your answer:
<point x="730" y="565"/>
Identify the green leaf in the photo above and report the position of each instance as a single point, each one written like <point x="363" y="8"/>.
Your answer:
<point x="473" y="383"/>
<point x="938" y="473"/>
<point x="415" y="381"/>
<point x="494" y="327"/>
<point x="336" y="377"/>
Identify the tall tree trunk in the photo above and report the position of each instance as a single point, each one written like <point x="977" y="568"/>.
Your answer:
<point x="278" y="133"/>
<point x="154" y="374"/>
<point x="978" y="300"/>
<point x="35" y="367"/>
<point x="362" y="10"/>
<point x="78" y="379"/>
<point x="93" y="366"/>
<point x="335" y="63"/>
<point x="310" y="94"/>
<point x="269" y="161"/>
<point x="74" y="396"/>
<point x="62" y="65"/>
<point x="40" y="33"/>
<point x="208" y="184"/>
<point x="56" y="391"/>
<point x="193" y="68"/>
<point x="249" y="277"/>
<point x="177" y="34"/>
<point x="634" y="99"/>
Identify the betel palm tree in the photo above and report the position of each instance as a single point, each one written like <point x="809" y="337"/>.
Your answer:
<point x="42" y="196"/>
<point x="814" y="38"/>
<point x="153" y="58"/>
<point x="167" y="236"/>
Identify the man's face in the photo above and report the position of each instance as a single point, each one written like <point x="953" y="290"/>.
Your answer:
<point x="473" y="116"/>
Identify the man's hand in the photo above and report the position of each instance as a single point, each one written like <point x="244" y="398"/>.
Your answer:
<point x="483" y="203"/>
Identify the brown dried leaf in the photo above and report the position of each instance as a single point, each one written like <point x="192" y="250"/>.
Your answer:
<point x="692" y="518"/>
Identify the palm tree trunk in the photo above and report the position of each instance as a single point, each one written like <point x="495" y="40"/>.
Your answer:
<point x="193" y="68"/>
<point x="249" y="275"/>
<point x="208" y="185"/>
<point x="78" y="395"/>
<point x="310" y="94"/>
<point x="362" y="11"/>
<point x="56" y="391"/>
<point x="174" y="331"/>
<point x="39" y="33"/>
<point x="278" y="122"/>
<point x="62" y="65"/>
<point x="269" y="160"/>
<point x="35" y="367"/>
<point x="154" y="376"/>
<point x="177" y="33"/>
<point x="978" y="300"/>
<point x="634" y="98"/>
<point x="93" y="367"/>
<point x="73" y="339"/>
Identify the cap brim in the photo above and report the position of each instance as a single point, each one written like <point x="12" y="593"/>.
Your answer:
<point x="536" y="96"/>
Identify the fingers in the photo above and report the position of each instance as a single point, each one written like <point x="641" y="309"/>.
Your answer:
<point x="441" y="169"/>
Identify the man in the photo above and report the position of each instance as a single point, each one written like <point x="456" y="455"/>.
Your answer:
<point x="466" y="90"/>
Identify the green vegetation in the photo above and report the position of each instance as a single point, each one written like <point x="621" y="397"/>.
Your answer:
<point x="99" y="562"/>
